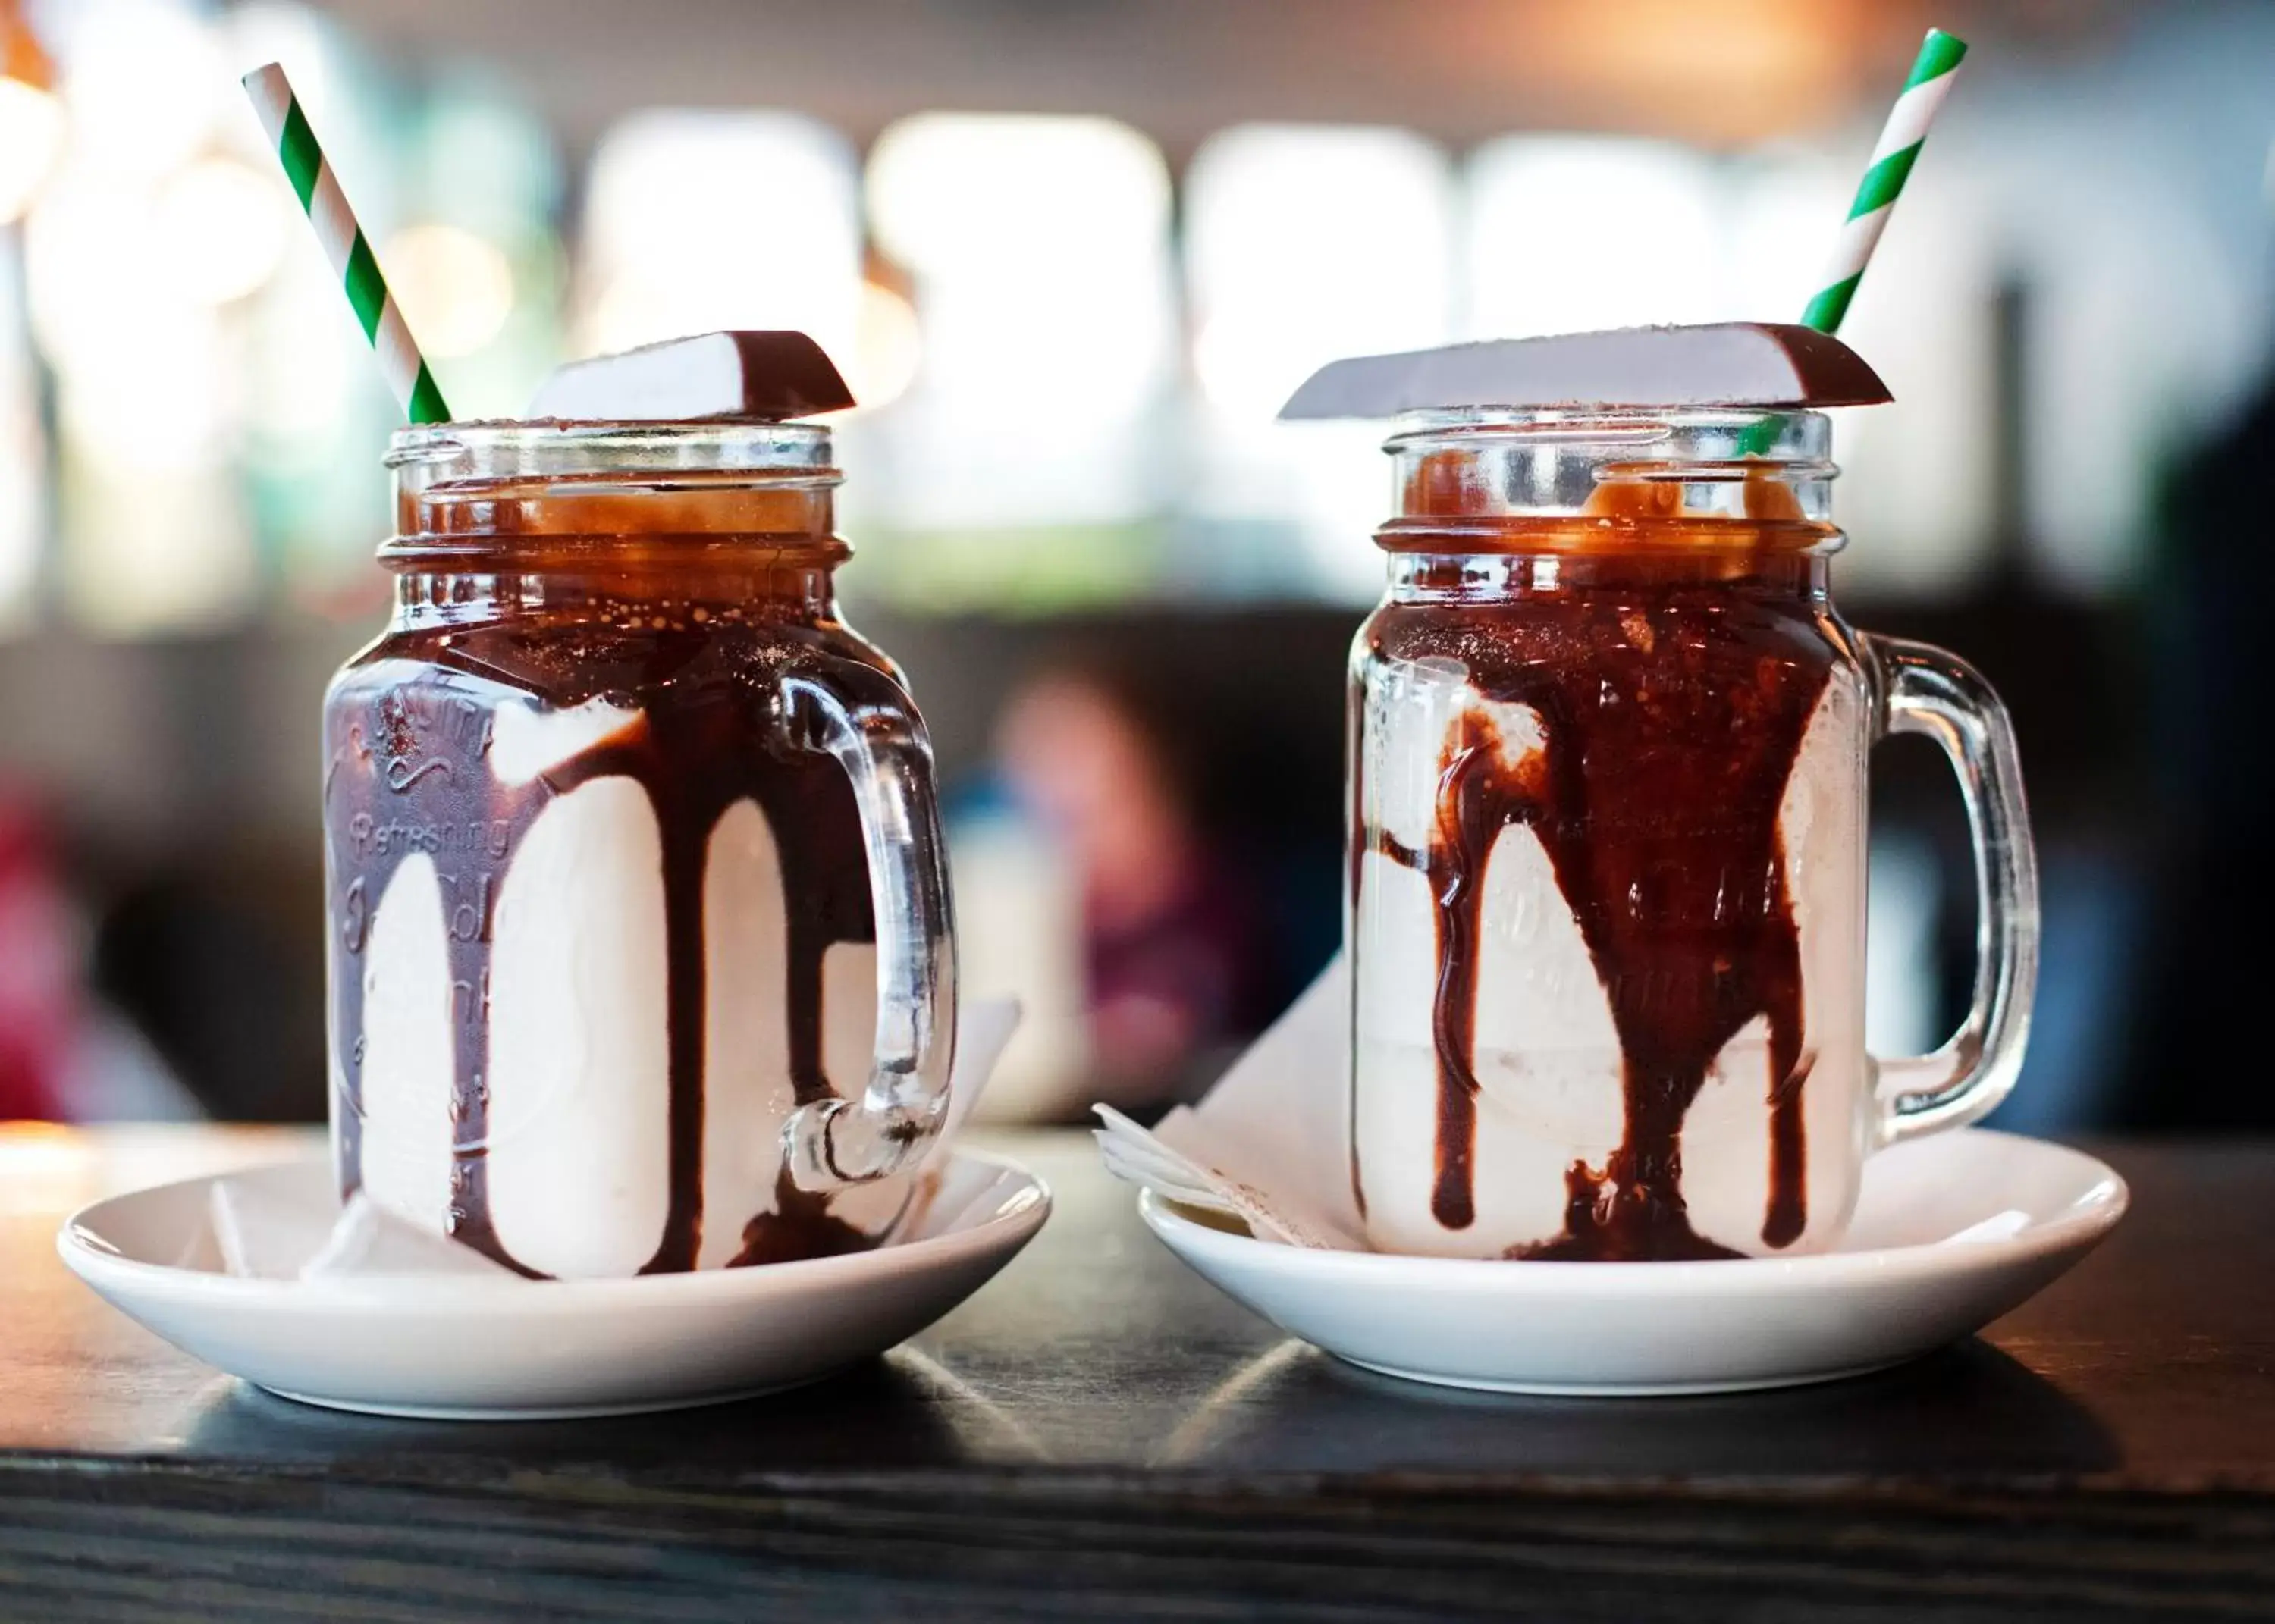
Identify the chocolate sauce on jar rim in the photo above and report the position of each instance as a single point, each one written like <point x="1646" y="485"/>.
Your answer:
<point x="694" y="648"/>
<point x="1674" y="675"/>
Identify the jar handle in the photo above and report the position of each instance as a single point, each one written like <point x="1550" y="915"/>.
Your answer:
<point x="863" y="718"/>
<point x="1924" y="690"/>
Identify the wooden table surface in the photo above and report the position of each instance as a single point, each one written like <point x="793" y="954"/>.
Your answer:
<point x="1099" y="1433"/>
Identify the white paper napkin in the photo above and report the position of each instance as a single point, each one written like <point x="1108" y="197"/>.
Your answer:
<point x="269" y="1234"/>
<point x="264" y="1234"/>
<point x="1270" y="1143"/>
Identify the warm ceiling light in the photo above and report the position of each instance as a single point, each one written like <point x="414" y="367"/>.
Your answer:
<point x="31" y="116"/>
<point x="1705" y="70"/>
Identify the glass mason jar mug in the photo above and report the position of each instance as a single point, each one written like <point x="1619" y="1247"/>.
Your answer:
<point x="640" y="945"/>
<point x="1607" y="886"/>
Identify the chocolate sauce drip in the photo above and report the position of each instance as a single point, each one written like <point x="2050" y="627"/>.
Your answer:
<point x="410" y="771"/>
<point x="1354" y="838"/>
<point x="800" y="1226"/>
<point x="1672" y="712"/>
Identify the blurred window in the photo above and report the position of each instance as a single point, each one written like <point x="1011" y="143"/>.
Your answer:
<point x="1568" y="233"/>
<point x="1039" y="252"/>
<point x="1304" y="244"/>
<point x="700" y="220"/>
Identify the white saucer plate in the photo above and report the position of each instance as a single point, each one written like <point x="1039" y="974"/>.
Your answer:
<point x="1950" y="1233"/>
<point x="476" y="1349"/>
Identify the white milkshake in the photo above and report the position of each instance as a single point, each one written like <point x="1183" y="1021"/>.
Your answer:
<point x="1548" y="1058"/>
<point x="576" y="1063"/>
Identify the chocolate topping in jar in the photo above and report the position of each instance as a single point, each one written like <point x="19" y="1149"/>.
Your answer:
<point x="1673" y="684"/>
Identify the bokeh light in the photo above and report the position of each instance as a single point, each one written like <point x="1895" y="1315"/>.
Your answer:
<point x="220" y="227"/>
<point x="1040" y="248"/>
<point x="888" y="347"/>
<point x="31" y="135"/>
<point x="1038" y="251"/>
<point x="454" y="288"/>
<point x="697" y="221"/>
<point x="144" y="82"/>
<point x="1306" y="244"/>
<point x="1570" y="233"/>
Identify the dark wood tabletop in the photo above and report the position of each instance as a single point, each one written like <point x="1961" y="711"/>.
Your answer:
<point x="1101" y="1434"/>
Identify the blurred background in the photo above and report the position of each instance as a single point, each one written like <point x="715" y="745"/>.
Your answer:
<point x="1072" y="254"/>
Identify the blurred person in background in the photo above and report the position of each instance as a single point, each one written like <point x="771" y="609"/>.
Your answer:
<point x="67" y="1053"/>
<point x="210" y="970"/>
<point x="39" y="971"/>
<point x="1173" y="951"/>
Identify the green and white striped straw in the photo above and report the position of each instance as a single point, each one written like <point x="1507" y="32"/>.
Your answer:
<point x="344" y="245"/>
<point x="1899" y="147"/>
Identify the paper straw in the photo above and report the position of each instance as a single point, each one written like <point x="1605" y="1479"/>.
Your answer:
<point x="1899" y="147"/>
<point x="344" y="245"/>
<point x="1893" y="157"/>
